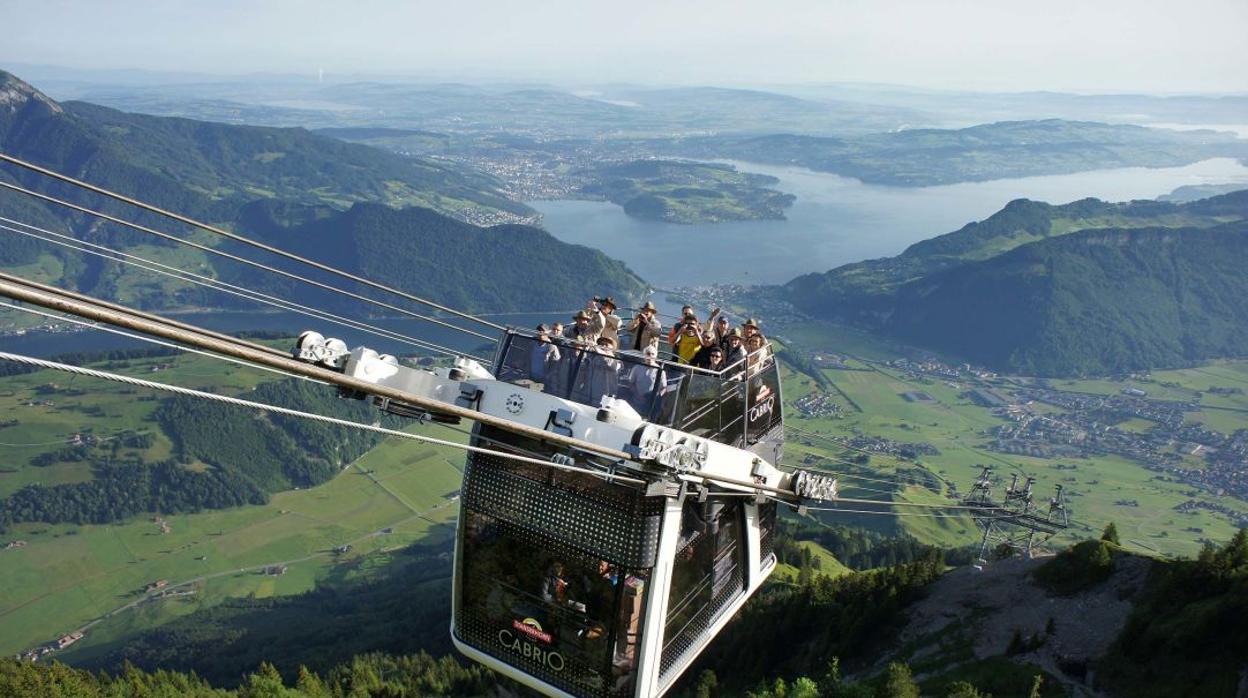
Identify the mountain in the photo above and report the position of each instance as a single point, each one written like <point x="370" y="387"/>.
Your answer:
<point x="1087" y="287"/>
<point x="928" y="157"/>
<point x="340" y="201"/>
<point x="192" y="163"/>
<point x="1093" y="302"/>
<point x="457" y="263"/>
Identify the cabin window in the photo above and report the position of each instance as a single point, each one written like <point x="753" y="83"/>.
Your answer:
<point x="707" y="574"/>
<point x="570" y="618"/>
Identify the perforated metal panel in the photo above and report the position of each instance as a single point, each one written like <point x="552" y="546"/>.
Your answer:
<point x="676" y="647"/>
<point x="609" y="525"/>
<point x="766" y="530"/>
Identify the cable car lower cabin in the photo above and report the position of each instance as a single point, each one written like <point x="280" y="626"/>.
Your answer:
<point x="577" y="586"/>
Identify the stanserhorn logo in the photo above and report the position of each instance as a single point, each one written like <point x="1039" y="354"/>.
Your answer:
<point x="533" y="629"/>
<point x="763" y="393"/>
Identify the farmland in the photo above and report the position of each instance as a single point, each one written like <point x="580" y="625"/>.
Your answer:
<point x="1099" y="489"/>
<point x="69" y="576"/>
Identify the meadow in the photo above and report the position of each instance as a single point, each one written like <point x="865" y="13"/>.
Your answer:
<point x="67" y="577"/>
<point x="1098" y="490"/>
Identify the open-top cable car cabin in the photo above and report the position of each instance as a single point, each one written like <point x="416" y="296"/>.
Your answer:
<point x="594" y="576"/>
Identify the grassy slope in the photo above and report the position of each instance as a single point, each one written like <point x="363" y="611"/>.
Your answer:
<point x="67" y="575"/>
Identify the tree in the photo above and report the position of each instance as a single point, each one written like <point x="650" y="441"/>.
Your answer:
<point x="1111" y="534"/>
<point x="265" y="683"/>
<point x="708" y="685"/>
<point x="898" y="682"/>
<point x="962" y="689"/>
<point x="803" y="687"/>
<point x="310" y="684"/>
<point x="1035" y="685"/>
<point x="830" y="683"/>
<point x="1017" y="644"/>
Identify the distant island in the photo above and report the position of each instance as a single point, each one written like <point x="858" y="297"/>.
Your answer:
<point x="687" y="192"/>
<point x="1195" y="192"/>
<point x="930" y="157"/>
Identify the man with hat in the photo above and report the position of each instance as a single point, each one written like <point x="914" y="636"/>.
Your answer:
<point x="599" y="373"/>
<point x="646" y="328"/>
<point x="755" y="342"/>
<point x="602" y="318"/>
<point x="734" y="347"/>
<point x="545" y="354"/>
<point x="580" y="331"/>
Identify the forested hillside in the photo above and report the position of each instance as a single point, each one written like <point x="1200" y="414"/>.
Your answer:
<point x="1088" y="287"/>
<point x="501" y="268"/>
<point x="395" y="218"/>
<point x="1094" y="302"/>
<point x="224" y="457"/>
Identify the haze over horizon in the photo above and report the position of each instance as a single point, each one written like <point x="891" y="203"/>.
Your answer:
<point x="1115" y="46"/>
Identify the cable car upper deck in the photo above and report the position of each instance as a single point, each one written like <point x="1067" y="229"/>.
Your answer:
<point x="701" y="425"/>
<point x="737" y="406"/>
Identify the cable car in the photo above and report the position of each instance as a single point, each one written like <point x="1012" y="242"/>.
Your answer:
<point x="585" y="575"/>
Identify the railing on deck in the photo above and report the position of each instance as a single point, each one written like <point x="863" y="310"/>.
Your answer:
<point x="735" y="406"/>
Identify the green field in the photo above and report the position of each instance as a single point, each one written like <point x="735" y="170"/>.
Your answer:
<point x="68" y="576"/>
<point x="50" y="407"/>
<point x="1099" y="490"/>
<point x="829" y="566"/>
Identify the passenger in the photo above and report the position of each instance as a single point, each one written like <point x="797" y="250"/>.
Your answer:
<point x="688" y="343"/>
<point x="735" y="353"/>
<point x="711" y="358"/>
<point x="603" y="321"/>
<point x="642" y="379"/>
<point x="708" y="341"/>
<point x="749" y="328"/>
<point x="686" y="314"/>
<point x="581" y="332"/>
<point x="556" y="330"/>
<point x="554" y="586"/>
<point x="545" y="354"/>
<point x="722" y="328"/>
<point x="646" y="328"/>
<point x="599" y="374"/>
<point x="759" y="353"/>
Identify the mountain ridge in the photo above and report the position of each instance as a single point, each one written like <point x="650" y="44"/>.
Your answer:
<point x="275" y="179"/>
<point x="985" y="277"/>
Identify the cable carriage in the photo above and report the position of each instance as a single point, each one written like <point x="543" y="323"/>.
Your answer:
<point x="597" y="576"/>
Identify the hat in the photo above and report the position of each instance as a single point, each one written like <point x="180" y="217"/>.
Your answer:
<point x="734" y="333"/>
<point x="750" y="323"/>
<point x="581" y="315"/>
<point x="609" y="301"/>
<point x="649" y="306"/>
<point x="606" y="338"/>
<point x="542" y="328"/>
<point x="722" y="318"/>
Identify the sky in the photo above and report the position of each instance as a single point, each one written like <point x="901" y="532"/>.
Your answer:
<point x="1153" y="46"/>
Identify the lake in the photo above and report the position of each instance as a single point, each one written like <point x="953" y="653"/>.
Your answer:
<point x="837" y="220"/>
